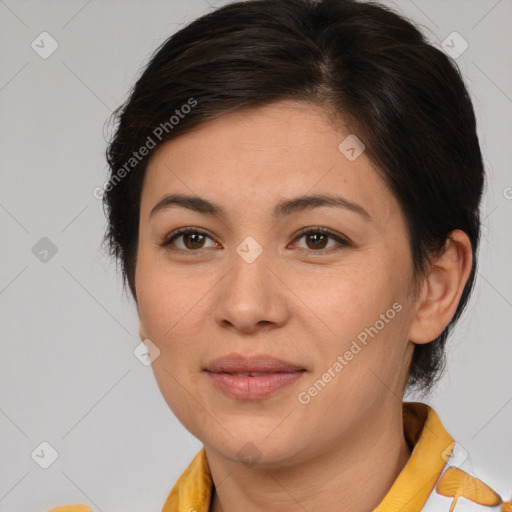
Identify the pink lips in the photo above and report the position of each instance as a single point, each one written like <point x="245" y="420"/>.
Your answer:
<point x="251" y="378"/>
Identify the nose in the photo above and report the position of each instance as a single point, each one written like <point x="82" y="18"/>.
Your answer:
<point x="251" y="296"/>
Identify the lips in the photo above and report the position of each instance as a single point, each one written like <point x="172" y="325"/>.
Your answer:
<point x="248" y="374"/>
<point x="258" y="364"/>
<point x="252" y="378"/>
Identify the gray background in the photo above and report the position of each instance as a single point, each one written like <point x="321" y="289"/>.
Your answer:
<point x="68" y="373"/>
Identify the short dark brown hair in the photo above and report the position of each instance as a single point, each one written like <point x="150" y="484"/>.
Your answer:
<point x="360" y="60"/>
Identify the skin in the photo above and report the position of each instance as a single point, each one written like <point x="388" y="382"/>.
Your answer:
<point x="198" y="300"/>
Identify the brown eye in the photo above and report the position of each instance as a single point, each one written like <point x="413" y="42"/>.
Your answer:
<point x="317" y="239"/>
<point x="192" y="239"/>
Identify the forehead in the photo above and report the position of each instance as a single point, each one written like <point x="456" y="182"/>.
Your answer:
<point x="256" y="157"/>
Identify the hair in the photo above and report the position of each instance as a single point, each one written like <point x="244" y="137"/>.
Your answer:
<point x="361" y="61"/>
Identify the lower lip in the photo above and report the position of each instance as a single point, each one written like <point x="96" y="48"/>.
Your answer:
<point x="253" y="388"/>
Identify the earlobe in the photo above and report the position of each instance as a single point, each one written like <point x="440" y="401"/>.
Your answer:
<point x="442" y="288"/>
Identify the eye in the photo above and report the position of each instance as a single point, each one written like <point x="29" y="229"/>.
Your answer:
<point x="317" y="237"/>
<point x="192" y="238"/>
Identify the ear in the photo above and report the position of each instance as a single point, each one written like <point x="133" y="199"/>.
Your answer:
<point x="442" y="288"/>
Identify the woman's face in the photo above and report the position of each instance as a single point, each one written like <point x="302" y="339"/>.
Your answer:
<point x="250" y="283"/>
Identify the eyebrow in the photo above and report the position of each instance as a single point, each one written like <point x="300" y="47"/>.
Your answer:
<point x="282" y="209"/>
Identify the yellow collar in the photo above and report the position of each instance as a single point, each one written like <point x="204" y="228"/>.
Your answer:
<point x="430" y="443"/>
<point x="431" y="446"/>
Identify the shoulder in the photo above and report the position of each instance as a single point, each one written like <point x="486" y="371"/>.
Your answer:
<point x="463" y="486"/>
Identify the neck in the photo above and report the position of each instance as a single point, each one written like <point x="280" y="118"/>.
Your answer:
<point x="353" y="475"/>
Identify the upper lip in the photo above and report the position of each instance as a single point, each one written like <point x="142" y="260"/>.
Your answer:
<point x="261" y="363"/>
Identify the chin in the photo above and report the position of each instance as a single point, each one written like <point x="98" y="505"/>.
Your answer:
<point x="259" y="445"/>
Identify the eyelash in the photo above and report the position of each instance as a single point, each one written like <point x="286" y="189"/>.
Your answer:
<point x="306" y="231"/>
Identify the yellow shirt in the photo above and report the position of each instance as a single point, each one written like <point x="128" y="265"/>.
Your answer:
<point x="438" y="476"/>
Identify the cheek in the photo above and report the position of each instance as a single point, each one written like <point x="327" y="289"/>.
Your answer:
<point x="173" y="307"/>
<point x="361" y="315"/>
<point x="168" y="309"/>
<point x="167" y="317"/>
<point x="345" y="301"/>
<point x="164" y="296"/>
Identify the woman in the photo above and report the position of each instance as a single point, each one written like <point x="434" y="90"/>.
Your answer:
<point x="294" y="203"/>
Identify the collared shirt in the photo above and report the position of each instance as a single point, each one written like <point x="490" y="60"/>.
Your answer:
<point x="438" y="476"/>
